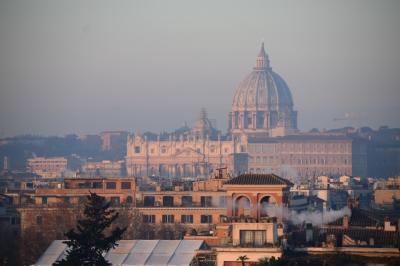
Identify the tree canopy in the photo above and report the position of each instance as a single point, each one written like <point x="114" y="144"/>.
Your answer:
<point x="88" y="243"/>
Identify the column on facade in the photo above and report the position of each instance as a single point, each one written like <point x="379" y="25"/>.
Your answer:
<point x="230" y="126"/>
<point x="133" y="170"/>
<point x="183" y="168"/>
<point x="230" y="206"/>
<point x="184" y="171"/>
<point x="179" y="170"/>
<point x="158" y="169"/>
<point x="253" y="205"/>
<point x="173" y="169"/>
<point x="202" y="169"/>
<point x="266" y="120"/>
<point x="193" y="170"/>
<point x="169" y="170"/>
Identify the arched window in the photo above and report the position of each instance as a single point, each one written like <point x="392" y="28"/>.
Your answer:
<point x="266" y="203"/>
<point x="242" y="206"/>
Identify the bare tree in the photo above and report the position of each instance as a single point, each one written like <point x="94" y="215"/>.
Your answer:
<point x="131" y="219"/>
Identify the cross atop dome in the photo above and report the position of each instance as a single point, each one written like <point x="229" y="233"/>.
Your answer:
<point x="262" y="61"/>
<point x="203" y="114"/>
<point x="262" y="52"/>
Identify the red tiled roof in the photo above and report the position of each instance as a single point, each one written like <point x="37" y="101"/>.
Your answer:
<point x="381" y="238"/>
<point x="358" y="217"/>
<point x="258" y="179"/>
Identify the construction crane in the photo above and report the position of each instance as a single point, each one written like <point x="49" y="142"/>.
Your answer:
<point x="353" y="118"/>
<point x="347" y="117"/>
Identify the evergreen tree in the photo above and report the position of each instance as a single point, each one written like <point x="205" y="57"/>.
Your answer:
<point x="87" y="244"/>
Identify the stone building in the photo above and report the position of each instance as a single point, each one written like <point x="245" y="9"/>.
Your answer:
<point x="262" y="138"/>
<point x="304" y="155"/>
<point x="112" y="140"/>
<point x="193" y="152"/>
<point x="387" y="194"/>
<point x="104" y="168"/>
<point x="288" y="156"/>
<point x="208" y="203"/>
<point x="74" y="191"/>
<point x="49" y="167"/>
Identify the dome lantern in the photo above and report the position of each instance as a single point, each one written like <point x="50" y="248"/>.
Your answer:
<point x="262" y="61"/>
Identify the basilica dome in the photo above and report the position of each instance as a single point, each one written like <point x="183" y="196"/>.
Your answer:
<point x="262" y="89"/>
<point x="262" y="101"/>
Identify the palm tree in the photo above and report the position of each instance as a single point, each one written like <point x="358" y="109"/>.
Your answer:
<point x="243" y="259"/>
<point x="263" y="261"/>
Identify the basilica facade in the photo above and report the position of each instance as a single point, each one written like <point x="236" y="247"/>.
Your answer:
<point x="262" y="138"/>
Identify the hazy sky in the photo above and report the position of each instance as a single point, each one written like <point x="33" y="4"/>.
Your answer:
<point x="87" y="66"/>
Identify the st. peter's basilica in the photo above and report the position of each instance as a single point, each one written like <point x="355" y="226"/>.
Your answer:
<point x="262" y="138"/>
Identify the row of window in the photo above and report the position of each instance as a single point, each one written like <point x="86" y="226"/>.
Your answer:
<point x="170" y="218"/>
<point x="253" y="238"/>
<point x="317" y="147"/>
<point x="262" y="148"/>
<point x="261" y="159"/>
<point x="299" y="161"/>
<point x="187" y="201"/>
<point x="165" y="149"/>
<point x="82" y="199"/>
<point x="166" y="219"/>
<point x="99" y="184"/>
<point x="113" y="185"/>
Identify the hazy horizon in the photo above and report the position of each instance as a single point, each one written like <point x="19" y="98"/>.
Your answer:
<point x="89" y="66"/>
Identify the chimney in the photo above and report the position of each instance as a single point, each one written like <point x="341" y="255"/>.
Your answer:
<point x="398" y="226"/>
<point x="331" y="241"/>
<point x="309" y="233"/>
<point x="345" y="223"/>
<point x="280" y="230"/>
<point x="284" y="242"/>
<point x="350" y="203"/>
<point x="357" y="202"/>
<point x="371" y="242"/>
<point x="387" y="226"/>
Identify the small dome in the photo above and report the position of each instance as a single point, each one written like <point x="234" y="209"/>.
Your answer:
<point x="203" y="126"/>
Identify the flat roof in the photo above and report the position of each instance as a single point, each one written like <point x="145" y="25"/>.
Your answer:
<point x="135" y="252"/>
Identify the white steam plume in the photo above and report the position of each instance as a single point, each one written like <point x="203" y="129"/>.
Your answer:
<point x="314" y="217"/>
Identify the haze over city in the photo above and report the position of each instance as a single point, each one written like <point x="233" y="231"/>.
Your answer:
<point x="83" y="67"/>
<point x="199" y="133"/>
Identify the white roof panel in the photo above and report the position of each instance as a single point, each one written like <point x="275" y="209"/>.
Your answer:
<point x="52" y="253"/>
<point x="140" y="253"/>
<point x="185" y="252"/>
<point x="135" y="253"/>
<point x="117" y="255"/>
<point x="181" y="260"/>
<point x="163" y="252"/>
